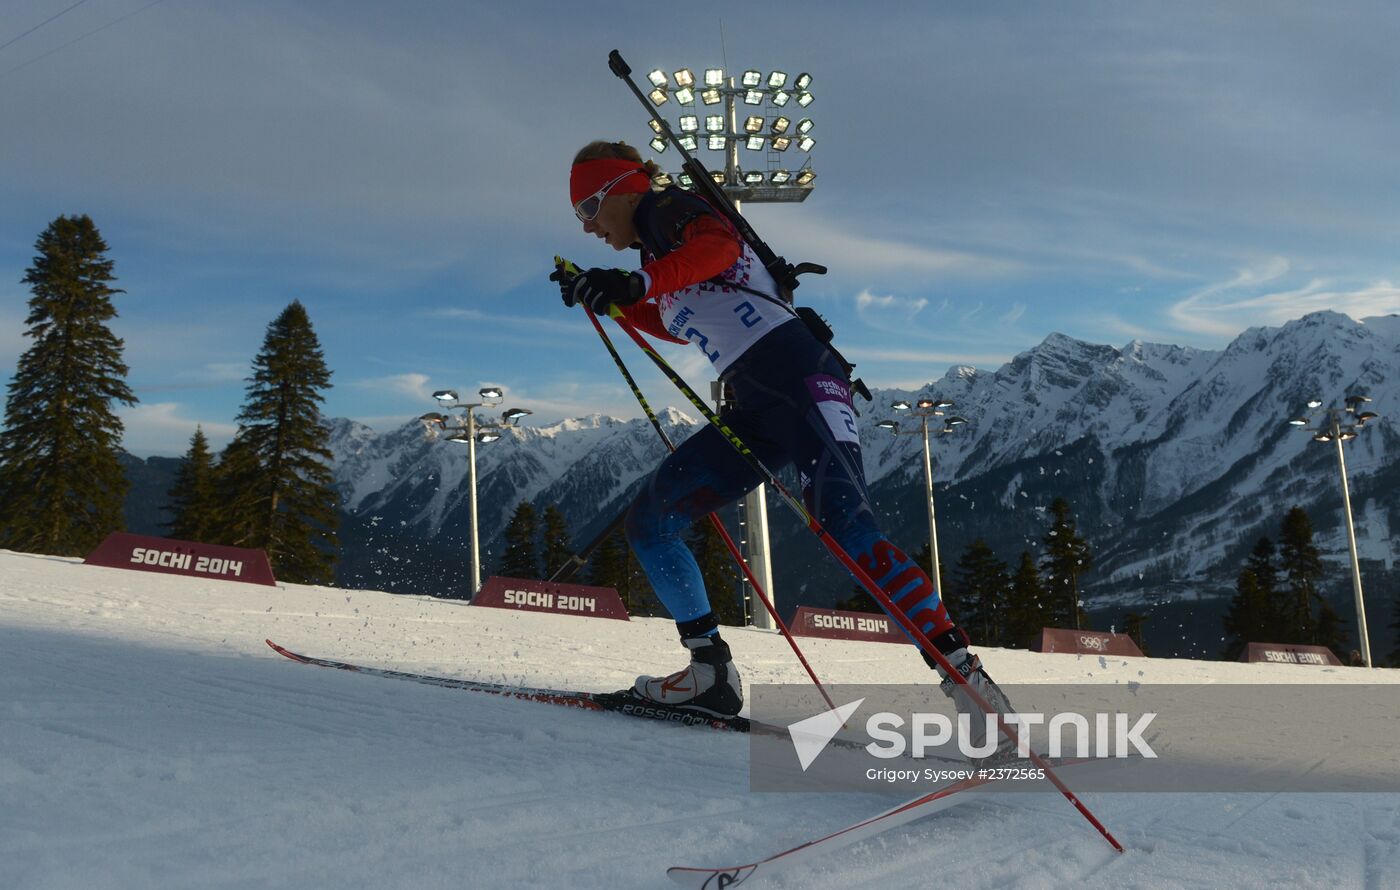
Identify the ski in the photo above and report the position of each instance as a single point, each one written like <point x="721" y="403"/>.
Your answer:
<point x="615" y="702"/>
<point x="950" y="795"/>
<point x="609" y="702"/>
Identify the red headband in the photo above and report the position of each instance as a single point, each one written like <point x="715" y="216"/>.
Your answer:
<point x="586" y="177"/>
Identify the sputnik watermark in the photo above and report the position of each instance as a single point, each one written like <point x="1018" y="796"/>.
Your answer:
<point x="1094" y="735"/>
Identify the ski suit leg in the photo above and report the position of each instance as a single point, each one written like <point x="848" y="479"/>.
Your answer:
<point x="702" y="475"/>
<point x="805" y="401"/>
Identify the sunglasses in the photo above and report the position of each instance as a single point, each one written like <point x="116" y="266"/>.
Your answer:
<point x="588" y="208"/>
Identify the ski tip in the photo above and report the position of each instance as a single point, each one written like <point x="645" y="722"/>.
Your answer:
<point x="710" y="878"/>
<point x="281" y="651"/>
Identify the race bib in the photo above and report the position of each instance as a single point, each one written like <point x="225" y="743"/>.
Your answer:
<point x="833" y="397"/>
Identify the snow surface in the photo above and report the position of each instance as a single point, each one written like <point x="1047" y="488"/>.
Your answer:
<point x="148" y="738"/>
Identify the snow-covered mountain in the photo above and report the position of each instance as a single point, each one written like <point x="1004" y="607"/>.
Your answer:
<point x="1174" y="459"/>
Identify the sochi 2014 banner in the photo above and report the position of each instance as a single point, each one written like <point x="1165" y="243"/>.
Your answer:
<point x="836" y="624"/>
<point x="122" y="550"/>
<point x="1086" y="642"/>
<point x="1288" y="653"/>
<point x="544" y="596"/>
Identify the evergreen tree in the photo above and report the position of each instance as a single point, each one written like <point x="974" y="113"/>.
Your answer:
<point x="275" y="473"/>
<point x="521" y="559"/>
<point x="719" y="571"/>
<point x="1132" y="627"/>
<point x="1067" y="558"/>
<point x="982" y="585"/>
<point x="61" y="485"/>
<point x="555" y="546"/>
<point x="615" y="566"/>
<point x="194" y="499"/>
<point x="1271" y="623"/>
<point x="1250" y="616"/>
<point x="1025" y="607"/>
<point x="1395" y="625"/>
<point x="1302" y="566"/>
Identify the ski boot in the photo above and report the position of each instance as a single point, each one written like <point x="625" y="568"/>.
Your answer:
<point x="709" y="684"/>
<point x="953" y="645"/>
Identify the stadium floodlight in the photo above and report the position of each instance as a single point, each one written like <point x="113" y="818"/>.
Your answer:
<point x="753" y="177"/>
<point x="806" y="177"/>
<point x="1335" y="425"/>
<point x="664" y="180"/>
<point x="656" y="127"/>
<point x="954" y="420"/>
<point x="779" y="177"/>
<point x="685" y="78"/>
<point x="686" y="181"/>
<point x="714" y="77"/>
<point x="753" y="97"/>
<point x="717" y="175"/>
<point x="469" y="434"/>
<point x="888" y="425"/>
<point x="714" y="123"/>
<point x="717" y="143"/>
<point x="901" y="405"/>
<point x="803" y="81"/>
<point x="755" y="143"/>
<point x="781" y="98"/>
<point x="688" y="142"/>
<point x="752" y="77"/>
<point x="806" y="143"/>
<point x="780" y="125"/>
<point x="657" y="78"/>
<point x="690" y="123"/>
<point x="658" y="145"/>
<point x="753" y="124"/>
<point x="777" y="79"/>
<point x="658" y="96"/>
<point x="804" y="126"/>
<point x="781" y="143"/>
<point x="804" y="99"/>
<point x="711" y="96"/>
<point x="685" y="96"/>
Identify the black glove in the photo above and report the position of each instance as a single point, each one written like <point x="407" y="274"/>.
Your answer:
<point x="599" y="288"/>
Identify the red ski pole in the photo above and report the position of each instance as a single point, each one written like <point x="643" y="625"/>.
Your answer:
<point x="856" y="571"/>
<point x="714" y="520"/>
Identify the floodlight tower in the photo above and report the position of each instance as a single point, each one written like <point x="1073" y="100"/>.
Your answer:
<point x="1338" y="425"/>
<point x="767" y="128"/>
<point x="470" y="432"/>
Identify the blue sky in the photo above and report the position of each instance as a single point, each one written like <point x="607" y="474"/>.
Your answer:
<point x="987" y="174"/>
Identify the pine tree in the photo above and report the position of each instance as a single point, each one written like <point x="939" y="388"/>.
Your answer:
<point x="719" y="571"/>
<point x="194" y="499"/>
<point x="61" y="485"/>
<point x="1249" y="617"/>
<point x="1132" y="627"/>
<point x="1067" y="558"/>
<point x="554" y="545"/>
<point x="275" y="474"/>
<point x="521" y="559"/>
<point x="982" y="585"/>
<point x="615" y="566"/>
<point x="1395" y="625"/>
<point x="1302" y="566"/>
<point x="1271" y="623"/>
<point x="1025" y="607"/>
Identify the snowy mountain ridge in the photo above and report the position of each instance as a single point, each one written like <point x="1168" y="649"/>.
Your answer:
<point x="1173" y="458"/>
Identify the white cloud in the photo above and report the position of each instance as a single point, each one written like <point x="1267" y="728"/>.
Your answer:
<point x="151" y="427"/>
<point x="879" y="311"/>
<point x="413" y="385"/>
<point x="1226" y="308"/>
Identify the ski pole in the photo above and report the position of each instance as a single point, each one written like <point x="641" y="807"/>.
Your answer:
<point x="854" y="568"/>
<point x="714" y="519"/>
<point x="580" y="559"/>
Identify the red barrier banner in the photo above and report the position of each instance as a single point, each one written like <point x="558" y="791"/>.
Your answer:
<point x="1085" y="642"/>
<point x="171" y="557"/>
<point x="1287" y="653"/>
<point x="835" y="624"/>
<point x="529" y="595"/>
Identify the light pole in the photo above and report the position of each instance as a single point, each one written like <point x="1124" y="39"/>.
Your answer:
<point x="469" y="433"/>
<point x="1337" y="425"/>
<point x="770" y="104"/>
<point x="924" y="409"/>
